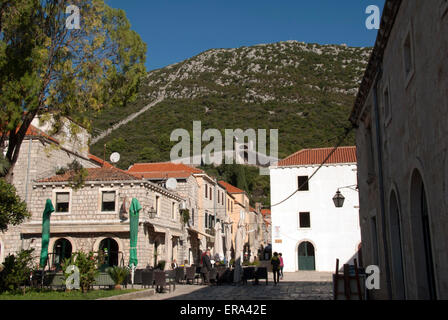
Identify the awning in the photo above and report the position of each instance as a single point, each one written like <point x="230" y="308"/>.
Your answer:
<point x="201" y="233"/>
<point x="162" y="229"/>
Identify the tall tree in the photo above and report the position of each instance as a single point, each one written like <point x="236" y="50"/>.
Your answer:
<point x="50" y="70"/>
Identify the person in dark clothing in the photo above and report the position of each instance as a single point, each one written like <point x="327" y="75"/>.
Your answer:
<point x="206" y="267"/>
<point x="275" y="262"/>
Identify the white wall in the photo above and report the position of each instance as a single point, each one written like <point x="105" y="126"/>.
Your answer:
<point x="334" y="232"/>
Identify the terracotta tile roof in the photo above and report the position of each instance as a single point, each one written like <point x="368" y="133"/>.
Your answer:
<point x="95" y="174"/>
<point x="230" y="188"/>
<point x="317" y="156"/>
<point x="162" y="170"/>
<point x="100" y="161"/>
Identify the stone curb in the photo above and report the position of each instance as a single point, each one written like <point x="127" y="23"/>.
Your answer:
<point x="131" y="295"/>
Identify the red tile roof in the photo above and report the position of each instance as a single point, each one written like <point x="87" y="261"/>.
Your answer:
<point x="230" y="188"/>
<point x="95" y="174"/>
<point x="317" y="156"/>
<point x="162" y="170"/>
<point x="100" y="161"/>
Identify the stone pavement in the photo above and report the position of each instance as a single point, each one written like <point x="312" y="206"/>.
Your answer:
<point x="303" y="285"/>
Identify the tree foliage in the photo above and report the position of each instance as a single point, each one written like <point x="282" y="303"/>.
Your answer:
<point x="13" y="210"/>
<point x="50" y="71"/>
<point x="16" y="271"/>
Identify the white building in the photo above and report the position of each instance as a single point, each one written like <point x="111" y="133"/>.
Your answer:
<point x="307" y="228"/>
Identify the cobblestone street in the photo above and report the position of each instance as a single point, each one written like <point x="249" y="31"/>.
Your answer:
<point x="294" y="286"/>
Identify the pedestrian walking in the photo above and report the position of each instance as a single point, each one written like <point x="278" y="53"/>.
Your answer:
<point x="206" y="267"/>
<point x="275" y="262"/>
<point x="281" y="265"/>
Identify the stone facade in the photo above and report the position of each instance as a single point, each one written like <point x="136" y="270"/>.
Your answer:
<point x="401" y="114"/>
<point x="86" y="225"/>
<point x="39" y="157"/>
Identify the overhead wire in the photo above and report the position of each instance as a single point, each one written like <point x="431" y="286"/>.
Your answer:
<point x="340" y="141"/>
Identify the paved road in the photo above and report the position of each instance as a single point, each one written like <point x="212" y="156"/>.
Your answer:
<point x="304" y="285"/>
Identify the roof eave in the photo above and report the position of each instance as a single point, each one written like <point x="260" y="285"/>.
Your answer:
<point x="391" y="8"/>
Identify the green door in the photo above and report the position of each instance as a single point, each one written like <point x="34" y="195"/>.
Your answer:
<point x="306" y="256"/>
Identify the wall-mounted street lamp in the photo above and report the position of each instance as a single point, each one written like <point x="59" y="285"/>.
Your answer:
<point x="339" y="199"/>
<point x="152" y="213"/>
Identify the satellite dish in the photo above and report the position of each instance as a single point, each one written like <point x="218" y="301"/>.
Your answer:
<point x="171" y="184"/>
<point x="115" y="157"/>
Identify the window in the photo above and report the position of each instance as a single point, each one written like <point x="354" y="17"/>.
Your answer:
<point x="173" y="209"/>
<point x="219" y="196"/>
<point x="408" y="55"/>
<point x="374" y="235"/>
<point x="192" y="217"/>
<point x="302" y="183"/>
<point x="231" y="206"/>
<point x="108" y="201"/>
<point x="370" y="155"/>
<point x="157" y="208"/>
<point x="206" y="190"/>
<point x="206" y="220"/>
<point x="386" y="104"/>
<point x="211" y="221"/>
<point x="304" y="220"/>
<point x="62" y="202"/>
<point x="210" y="193"/>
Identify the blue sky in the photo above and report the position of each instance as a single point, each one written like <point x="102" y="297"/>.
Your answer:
<point x="175" y="30"/>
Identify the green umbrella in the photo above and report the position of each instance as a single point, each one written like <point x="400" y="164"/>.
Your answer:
<point x="45" y="232"/>
<point x="134" y="215"/>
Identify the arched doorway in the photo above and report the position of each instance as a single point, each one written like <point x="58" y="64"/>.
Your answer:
<point x="396" y="248"/>
<point x="62" y="249"/>
<point x="109" y="248"/>
<point x="306" y="256"/>
<point x="421" y="232"/>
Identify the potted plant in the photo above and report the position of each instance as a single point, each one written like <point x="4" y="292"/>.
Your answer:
<point x="88" y="269"/>
<point x="118" y="275"/>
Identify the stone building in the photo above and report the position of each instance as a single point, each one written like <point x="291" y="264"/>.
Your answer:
<point x="96" y="218"/>
<point x="205" y="200"/>
<point x="188" y="188"/>
<point x="267" y="229"/>
<point x="41" y="155"/>
<point x="207" y="214"/>
<point x="238" y="203"/>
<point x="400" y="116"/>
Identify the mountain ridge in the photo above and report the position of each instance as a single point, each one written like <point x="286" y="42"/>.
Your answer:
<point x="301" y="89"/>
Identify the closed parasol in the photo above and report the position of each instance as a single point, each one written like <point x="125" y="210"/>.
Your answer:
<point x="45" y="233"/>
